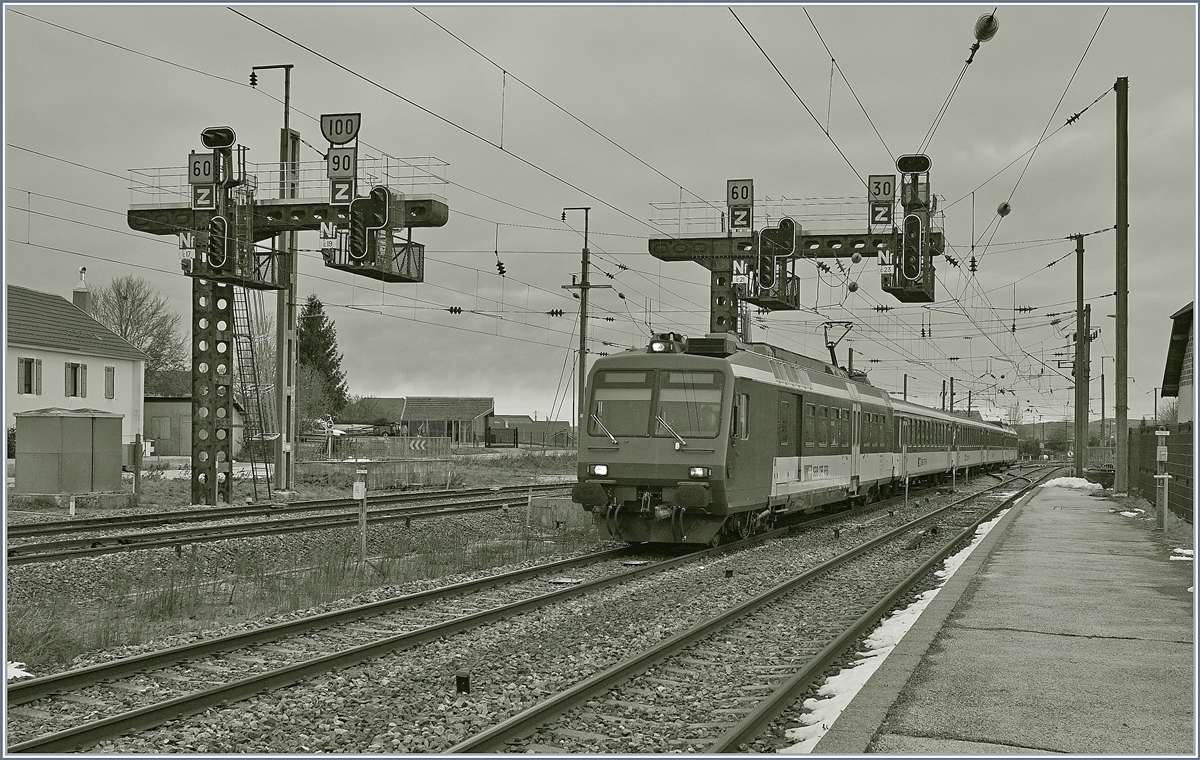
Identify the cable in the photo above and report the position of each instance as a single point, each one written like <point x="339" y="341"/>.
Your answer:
<point x="798" y="98"/>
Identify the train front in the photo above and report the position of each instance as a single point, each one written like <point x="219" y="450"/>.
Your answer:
<point x="653" y="446"/>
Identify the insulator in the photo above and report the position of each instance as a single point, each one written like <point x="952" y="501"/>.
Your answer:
<point x="986" y="27"/>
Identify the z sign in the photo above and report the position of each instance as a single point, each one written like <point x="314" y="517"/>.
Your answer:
<point x="341" y="191"/>
<point x="881" y="212"/>
<point x="203" y="196"/>
<point x="739" y="217"/>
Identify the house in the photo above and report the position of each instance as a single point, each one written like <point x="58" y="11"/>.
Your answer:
<point x="461" y="419"/>
<point x="58" y="356"/>
<point x="1177" y="377"/>
<point x="523" y="430"/>
<point x="169" y="426"/>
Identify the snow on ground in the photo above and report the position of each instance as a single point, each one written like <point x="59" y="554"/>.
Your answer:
<point x="1132" y="513"/>
<point x="840" y="689"/>
<point x="1182" y="554"/>
<point x="13" y="670"/>
<point x="1081" y="483"/>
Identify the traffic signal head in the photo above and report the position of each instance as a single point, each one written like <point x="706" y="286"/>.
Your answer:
<point x="913" y="163"/>
<point x="217" y="137"/>
<point x="218" y="243"/>
<point x="913" y="247"/>
<point x="774" y="243"/>
<point x="367" y="215"/>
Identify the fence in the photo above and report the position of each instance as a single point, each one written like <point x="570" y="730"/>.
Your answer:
<point x="1143" y="464"/>
<point x="516" y="438"/>
<point x="342" y="448"/>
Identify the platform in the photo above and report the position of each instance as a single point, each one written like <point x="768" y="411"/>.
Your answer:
<point x="1068" y="630"/>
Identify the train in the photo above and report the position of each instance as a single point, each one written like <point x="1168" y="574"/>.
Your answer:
<point x="709" y="439"/>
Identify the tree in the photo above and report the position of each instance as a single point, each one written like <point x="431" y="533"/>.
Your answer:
<point x="1168" y="411"/>
<point x="313" y="401"/>
<point x="316" y="339"/>
<point x="133" y="309"/>
<point x="1014" y="414"/>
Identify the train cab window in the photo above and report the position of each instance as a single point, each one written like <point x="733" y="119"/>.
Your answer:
<point x="822" y="426"/>
<point x="741" y="417"/>
<point x="810" y="424"/>
<point x="785" y="419"/>
<point x="689" y="403"/>
<point x="621" y="403"/>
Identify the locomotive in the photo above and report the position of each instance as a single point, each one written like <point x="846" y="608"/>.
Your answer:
<point x="696" y="441"/>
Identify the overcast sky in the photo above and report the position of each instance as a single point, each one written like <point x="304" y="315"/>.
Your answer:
<point x="537" y="108"/>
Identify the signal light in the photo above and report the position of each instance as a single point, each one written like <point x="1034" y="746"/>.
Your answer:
<point x="366" y="215"/>
<point x="913" y="163"/>
<point x="774" y="243"/>
<point x="913" y="247"/>
<point x="217" y="137"/>
<point x="218" y="242"/>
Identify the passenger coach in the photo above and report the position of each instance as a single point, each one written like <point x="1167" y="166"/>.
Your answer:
<point x="695" y="441"/>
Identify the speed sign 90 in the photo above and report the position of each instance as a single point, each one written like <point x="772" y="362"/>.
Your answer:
<point x="340" y="163"/>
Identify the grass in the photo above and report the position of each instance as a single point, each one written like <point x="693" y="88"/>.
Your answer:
<point x="129" y="600"/>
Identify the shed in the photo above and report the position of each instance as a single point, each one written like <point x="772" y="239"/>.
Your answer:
<point x="65" y="451"/>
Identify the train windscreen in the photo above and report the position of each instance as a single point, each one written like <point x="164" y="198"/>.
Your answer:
<point x="621" y="403"/>
<point x="690" y="403"/>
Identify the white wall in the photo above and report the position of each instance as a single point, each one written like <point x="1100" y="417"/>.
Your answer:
<point x="129" y="387"/>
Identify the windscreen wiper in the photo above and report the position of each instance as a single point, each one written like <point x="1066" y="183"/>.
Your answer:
<point x="611" y="437"/>
<point x="671" y="430"/>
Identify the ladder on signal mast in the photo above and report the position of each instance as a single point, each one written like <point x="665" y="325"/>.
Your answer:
<point x="254" y="420"/>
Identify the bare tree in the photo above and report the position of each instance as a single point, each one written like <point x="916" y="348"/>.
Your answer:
<point x="1168" y="411"/>
<point x="1014" y="414"/>
<point x="132" y="308"/>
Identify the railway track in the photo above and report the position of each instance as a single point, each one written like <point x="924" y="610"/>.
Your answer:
<point x="354" y="636"/>
<point x="109" y="543"/>
<point x="766" y="664"/>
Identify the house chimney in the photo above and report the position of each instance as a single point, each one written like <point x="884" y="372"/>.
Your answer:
<point x="81" y="296"/>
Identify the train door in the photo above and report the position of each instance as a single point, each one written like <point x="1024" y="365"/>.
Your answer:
<point x="786" y="466"/>
<point x="855" y="444"/>
<point x="903" y="428"/>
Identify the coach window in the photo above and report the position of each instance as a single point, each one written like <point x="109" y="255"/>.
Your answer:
<point x="843" y="427"/>
<point x="822" y="426"/>
<point x="810" y="423"/>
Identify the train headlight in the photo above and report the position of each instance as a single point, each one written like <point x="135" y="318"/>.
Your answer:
<point x="597" y="469"/>
<point x="659" y="346"/>
<point x="699" y="473"/>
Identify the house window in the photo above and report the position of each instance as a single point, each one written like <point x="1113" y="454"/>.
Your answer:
<point x="29" y="376"/>
<point x="110" y="382"/>
<point x="75" y="380"/>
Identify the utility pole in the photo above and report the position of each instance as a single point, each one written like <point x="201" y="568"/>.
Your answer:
<point x="583" y="286"/>
<point x="285" y="313"/>
<point x="1081" y="401"/>
<point x="1121" y="482"/>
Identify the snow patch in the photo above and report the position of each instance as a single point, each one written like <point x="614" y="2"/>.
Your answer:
<point x="14" y="670"/>
<point x="1080" y="483"/>
<point x="839" y="690"/>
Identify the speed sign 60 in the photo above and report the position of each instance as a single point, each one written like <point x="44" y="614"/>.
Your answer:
<point x="739" y="192"/>
<point x="201" y="169"/>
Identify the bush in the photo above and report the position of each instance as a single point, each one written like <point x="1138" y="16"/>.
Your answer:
<point x="12" y="443"/>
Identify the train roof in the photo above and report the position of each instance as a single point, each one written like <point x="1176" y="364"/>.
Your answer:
<point x="958" y="417"/>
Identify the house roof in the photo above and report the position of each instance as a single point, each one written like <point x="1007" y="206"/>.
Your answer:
<point x="1181" y="333"/>
<point x="45" y="320"/>
<point x="446" y="408"/>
